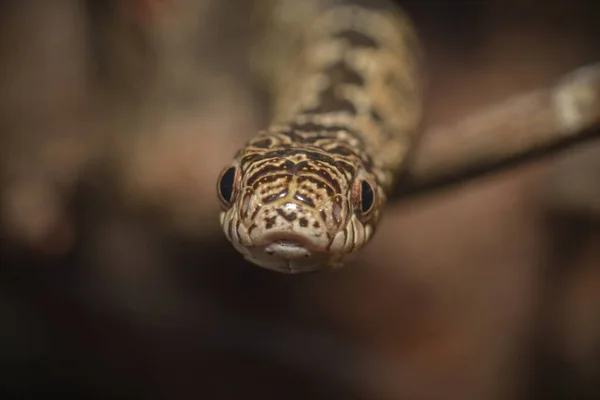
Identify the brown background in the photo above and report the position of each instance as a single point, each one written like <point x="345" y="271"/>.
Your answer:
<point x="116" y="281"/>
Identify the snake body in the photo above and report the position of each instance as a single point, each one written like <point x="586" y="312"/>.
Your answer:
<point x="308" y="191"/>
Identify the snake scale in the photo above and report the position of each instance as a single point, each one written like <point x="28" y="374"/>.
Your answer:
<point x="308" y="191"/>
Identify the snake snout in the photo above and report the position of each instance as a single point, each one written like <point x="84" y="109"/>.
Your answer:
<point x="286" y="251"/>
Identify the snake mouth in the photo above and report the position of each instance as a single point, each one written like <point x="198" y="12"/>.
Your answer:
<point x="289" y="241"/>
<point x="287" y="250"/>
<point x="288" y="253"/>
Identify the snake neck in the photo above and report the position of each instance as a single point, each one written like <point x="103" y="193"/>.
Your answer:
<point x="347" y="64"/>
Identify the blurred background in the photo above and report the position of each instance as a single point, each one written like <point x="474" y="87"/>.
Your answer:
<point x="116" y="280"/>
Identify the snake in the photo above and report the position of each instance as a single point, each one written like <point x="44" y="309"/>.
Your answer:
<point x="306" y="193"/>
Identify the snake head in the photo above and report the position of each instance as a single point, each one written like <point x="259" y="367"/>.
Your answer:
<point x="297" y="209"/>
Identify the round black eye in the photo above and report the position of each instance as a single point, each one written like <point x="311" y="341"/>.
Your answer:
<point x="225" y="185"/>
<point x="367" y="197"/>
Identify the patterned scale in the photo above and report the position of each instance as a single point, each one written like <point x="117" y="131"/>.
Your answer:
<point x="309" y="191"/>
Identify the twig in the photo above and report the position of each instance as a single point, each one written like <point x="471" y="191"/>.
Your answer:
<point x="520" y="128"/>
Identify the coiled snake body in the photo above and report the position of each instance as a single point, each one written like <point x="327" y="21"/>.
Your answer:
<point x="309" y="190"/>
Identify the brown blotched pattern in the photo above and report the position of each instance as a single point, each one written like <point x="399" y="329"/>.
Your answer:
<point x="309" y="190"/>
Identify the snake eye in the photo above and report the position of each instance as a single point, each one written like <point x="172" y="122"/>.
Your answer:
<point x="226" y="185"/>
<point x="367" y="197"/>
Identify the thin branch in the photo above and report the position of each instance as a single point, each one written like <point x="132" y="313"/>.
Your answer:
<point x="521" y="128"/>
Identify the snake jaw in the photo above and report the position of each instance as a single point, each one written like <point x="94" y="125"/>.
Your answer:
<point x="288" y="257"/>
<point x="289" y="252"/>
